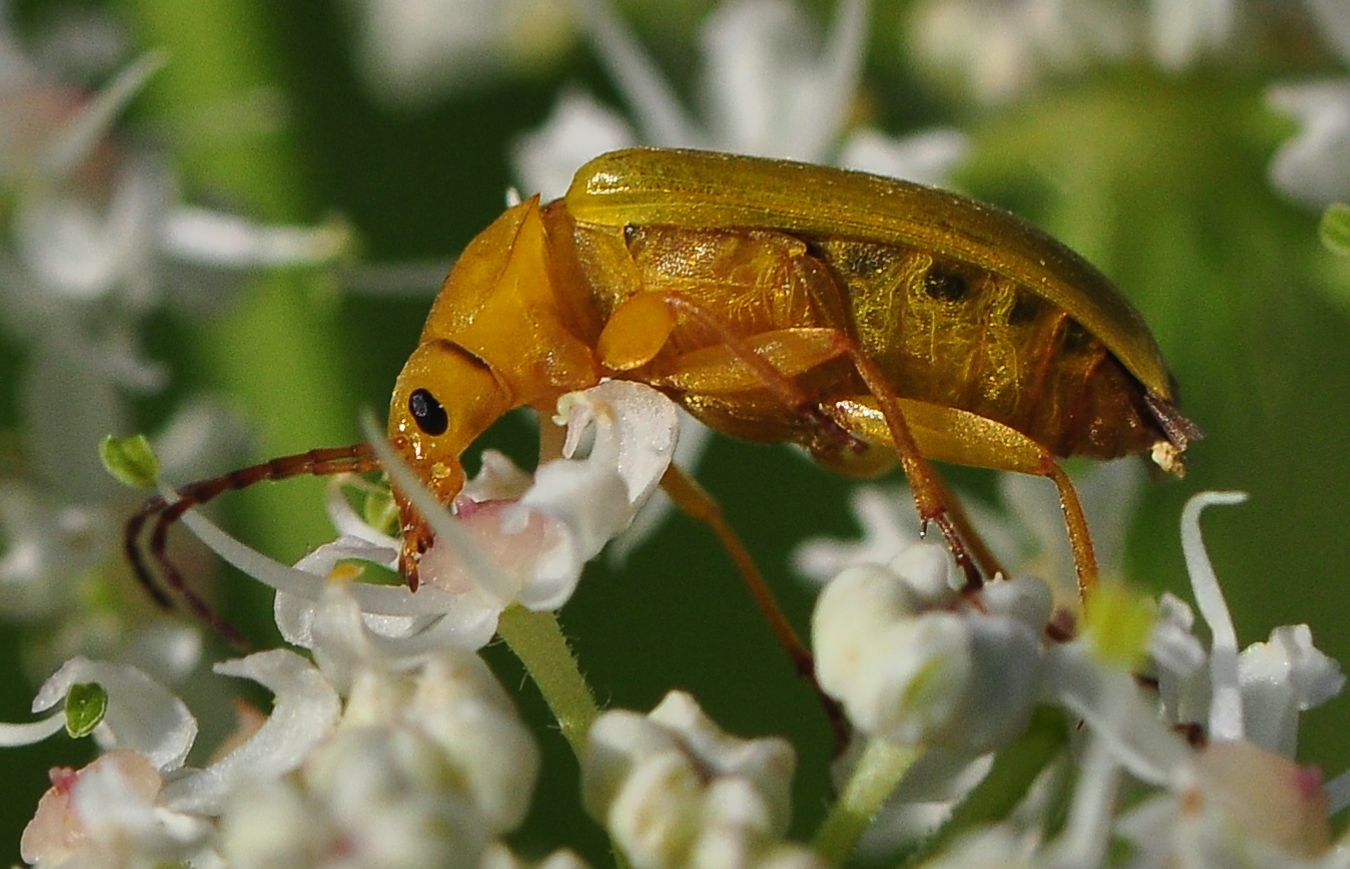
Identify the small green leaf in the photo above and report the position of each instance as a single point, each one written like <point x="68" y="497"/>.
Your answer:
<point x="130" y="460"/>
<point x="1335" y="228"/>
<point x="86" y="704"/>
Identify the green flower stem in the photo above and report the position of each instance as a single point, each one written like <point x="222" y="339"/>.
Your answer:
<point x="538" y="641"/>
<point x="879" y="770"/>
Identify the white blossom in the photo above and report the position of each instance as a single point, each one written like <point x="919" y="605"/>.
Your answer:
<point x="913" y="663"/>
<point x="142" y="715"/>
<point x="410" y="52"/>
<point x="1312" y="167"/>
<point x="998" y="50"/>
<point x="770" y="86"/>
<point x="674" y="790"/>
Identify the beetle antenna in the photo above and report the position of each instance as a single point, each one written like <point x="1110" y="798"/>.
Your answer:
<point x="355" y="459"/>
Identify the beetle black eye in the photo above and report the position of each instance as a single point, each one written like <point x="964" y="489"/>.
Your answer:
<point x="427" y="411"/>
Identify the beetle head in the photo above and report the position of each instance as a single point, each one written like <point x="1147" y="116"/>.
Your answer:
<point x="443" y="400"/>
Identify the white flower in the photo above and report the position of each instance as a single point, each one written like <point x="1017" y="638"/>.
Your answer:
<point x="674" y="790"/>
<point x="769" y="87"/>
<point x="912" y="663"/>
<point x="498" y="856"/>
<point x="1313" y="168"/>
<point x="412" y="51"/>
<point x="1252" y="695"/>
<point x="304" y="710"/>
<point x="137" y="805"/>
<point x="455" y="701"/>
<point x="997" y="50"/>
<point x="1240" y="805"/>
<point x="141" y="716"/>
<point x="1237" y="800"/>
<point x="1031" y="540"/>
<point x="426" y="768"/>
<point x="1281" y="678"/>
<point x="369" y="797"/>
<point x="106" y="815"/>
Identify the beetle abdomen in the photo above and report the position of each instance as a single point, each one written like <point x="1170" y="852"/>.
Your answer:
<point x="960" y="336"/>
<point x="943" y="332"/>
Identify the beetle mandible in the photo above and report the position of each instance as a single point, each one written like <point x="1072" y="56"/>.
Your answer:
<point x="866" y="319"/>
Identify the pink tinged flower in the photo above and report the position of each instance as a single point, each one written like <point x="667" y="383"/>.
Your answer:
<point x="621" y="437"/>
<point x="1238" y="805"/>
<point x="619" y="442"/>
<point x="913" y="663"/>
<point x="107" y="814"/>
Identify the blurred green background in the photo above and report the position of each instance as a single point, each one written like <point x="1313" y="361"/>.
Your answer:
<point x="1159" y="178"/>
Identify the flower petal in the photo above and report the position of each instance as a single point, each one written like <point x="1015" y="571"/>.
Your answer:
<point x="305" y="710"/>
<point x="142" y="715"/>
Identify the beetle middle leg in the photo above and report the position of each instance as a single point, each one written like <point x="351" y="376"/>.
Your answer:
<point x="773" y="366"/>
<point x="820" y="345"/>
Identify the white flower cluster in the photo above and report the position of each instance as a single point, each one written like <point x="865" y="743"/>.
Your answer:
<point x="997" y="50"/>
<point x="95" y="240"/>
<point x="396" y="746"/>
<point x="916" y="664"/>
<point x="676" y="792"/>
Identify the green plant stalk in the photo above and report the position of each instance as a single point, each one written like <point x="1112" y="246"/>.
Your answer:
<point x="538" y="641"/>
<point x="878" y="771"/>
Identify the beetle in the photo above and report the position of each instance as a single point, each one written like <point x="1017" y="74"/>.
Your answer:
<point x="866" y="319"/>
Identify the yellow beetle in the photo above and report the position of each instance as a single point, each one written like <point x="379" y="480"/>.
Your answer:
<point x="864" y="318"/>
